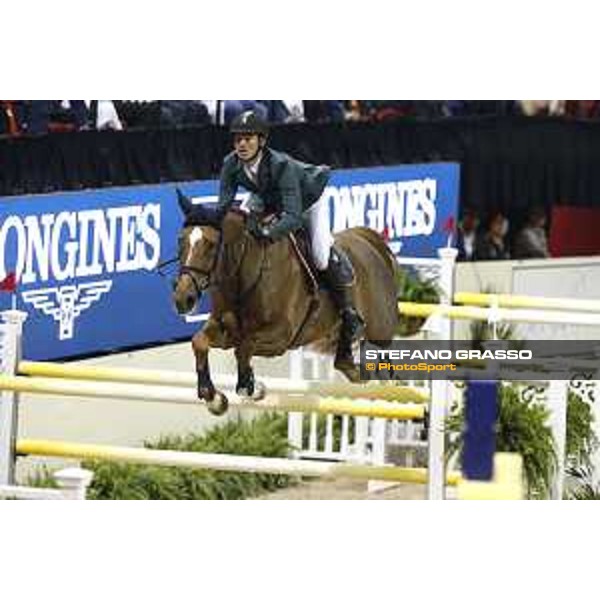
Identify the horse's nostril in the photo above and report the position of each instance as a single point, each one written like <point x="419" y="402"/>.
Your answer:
<point x="190" y="301"/>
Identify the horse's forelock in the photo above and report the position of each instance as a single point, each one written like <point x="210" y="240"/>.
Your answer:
<point x="194" y="220"/>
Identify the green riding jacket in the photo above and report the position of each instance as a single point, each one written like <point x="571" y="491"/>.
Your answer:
<point x="285" y="186"/>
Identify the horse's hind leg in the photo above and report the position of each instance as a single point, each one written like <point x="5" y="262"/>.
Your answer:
<point x="216" y="402"/>
<point x="246" y="384"/>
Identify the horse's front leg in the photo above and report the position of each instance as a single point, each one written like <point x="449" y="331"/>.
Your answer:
<point x="246" y="384"/>
<point x="216" y="401"/>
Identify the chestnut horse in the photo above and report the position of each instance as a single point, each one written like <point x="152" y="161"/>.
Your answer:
<point x="265" y="300"/>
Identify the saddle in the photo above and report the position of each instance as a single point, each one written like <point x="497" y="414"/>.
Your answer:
<point x="300" y="244"/>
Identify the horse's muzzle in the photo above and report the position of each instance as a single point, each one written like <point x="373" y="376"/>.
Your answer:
<point x="186" y="303"/>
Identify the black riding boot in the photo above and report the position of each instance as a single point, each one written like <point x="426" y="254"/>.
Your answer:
<point x="339" y="278"/>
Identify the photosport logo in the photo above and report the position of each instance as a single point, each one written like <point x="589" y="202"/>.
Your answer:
<point x="65" y="257"/>
<point x="525" y="360"/>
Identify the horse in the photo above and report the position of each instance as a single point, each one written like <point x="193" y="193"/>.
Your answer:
<point x="266" y="300"/>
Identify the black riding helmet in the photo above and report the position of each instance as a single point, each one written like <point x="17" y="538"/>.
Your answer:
<point x="249" y="122"/>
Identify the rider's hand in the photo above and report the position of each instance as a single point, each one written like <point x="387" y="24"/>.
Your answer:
<point x="264" y="233"/>
<point x="259" y="229"/>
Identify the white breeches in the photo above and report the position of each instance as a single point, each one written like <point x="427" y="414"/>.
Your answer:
<point x="321" y="239"/>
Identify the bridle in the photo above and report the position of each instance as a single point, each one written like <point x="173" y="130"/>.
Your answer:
<point x="201" y="279"/>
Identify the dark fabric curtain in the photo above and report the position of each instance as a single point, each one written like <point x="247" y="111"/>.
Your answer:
<point x="507" y="163"/>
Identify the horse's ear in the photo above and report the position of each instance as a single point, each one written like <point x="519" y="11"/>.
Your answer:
<point x="184" y="202"/>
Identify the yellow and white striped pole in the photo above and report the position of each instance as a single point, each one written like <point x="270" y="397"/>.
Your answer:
<point x="151" y="393"/>
<point x="184" y="379"/>
<point x="476" y="313"/>
<point x="226" y="462"/>
<point x="517" y="301"/>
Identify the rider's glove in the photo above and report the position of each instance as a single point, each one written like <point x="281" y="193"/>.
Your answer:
<point x="264" y="233"/>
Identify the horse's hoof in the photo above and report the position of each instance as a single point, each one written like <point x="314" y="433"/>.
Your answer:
<point x="349" y="369"/>
<point x="260" y="391"/>
<point x="353" y="375"/>
<point x="218" y="405"/>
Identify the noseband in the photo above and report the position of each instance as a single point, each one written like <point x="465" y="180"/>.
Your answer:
<point x="201" y="279"/>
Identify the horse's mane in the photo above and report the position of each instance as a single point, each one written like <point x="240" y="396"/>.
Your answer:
<point x="236" y="240"/>
<point x="233" y="226"/>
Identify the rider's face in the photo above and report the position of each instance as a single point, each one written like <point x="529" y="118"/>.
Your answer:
<point x="246" y="145"/>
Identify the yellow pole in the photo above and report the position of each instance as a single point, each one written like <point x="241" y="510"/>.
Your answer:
<point x="130" y="391"/>
<point x="515" y="315"/>
<point x="516" y="301"/>
<point x="225" y="462"/>
<point x="391" y="393"/>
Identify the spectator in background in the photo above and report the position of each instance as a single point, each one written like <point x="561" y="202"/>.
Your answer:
<point x="467" y="235"/>
<point x="384" y="110"/>
<point x="357" y="110"/>
<point x="481" y="108"/>
<point x="37" y="116"/>
<point x="295" y="109"/>
<point x="72" y="115"/>
<point x="179" y="113"/>
<point x="11" y="119"/>
<point x="106" y="116"/>
<point x="233" y="108"/>
<point x="531" y="241"/>
<point x="222" y="112"/>
<point x="65" y="115"/>
<point x="324" y="111"/>
<point x="582" y="109"/>
<point x="79" y="112"/>
<point x="491" y="245"/>
<point x="277" y="111"/>
<point x="549" y="108"/>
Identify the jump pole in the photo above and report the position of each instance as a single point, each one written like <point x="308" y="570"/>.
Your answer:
<point x="476" y="313"/>
<point x="146" y="393"/>
<point x="517" y="301"/>
<point x="225" y="462"/>
<point x="185" y="379"/>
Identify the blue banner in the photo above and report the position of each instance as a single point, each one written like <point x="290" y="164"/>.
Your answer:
<point x="86" y="261"/>
<point x="415" y="205"/>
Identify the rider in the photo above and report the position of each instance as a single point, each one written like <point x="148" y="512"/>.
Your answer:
<point x="291" y="190"/>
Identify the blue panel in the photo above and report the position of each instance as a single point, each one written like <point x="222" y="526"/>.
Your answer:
<point x="86" y="264"/>
<point x="481" y="415"/>
<point x="416" y="204"/>
<point x="86" y="261"/>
